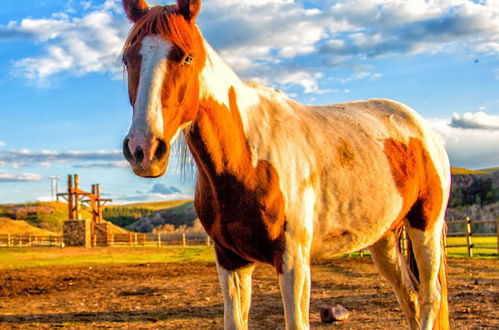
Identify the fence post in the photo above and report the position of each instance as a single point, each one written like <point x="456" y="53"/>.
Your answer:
<point x="8" y="239"/>
<point x="208" y="240"/>
<point x="497" y="230"/>
<point x="159" y="239"/>
<point x="183" y="240"/>
<point x="469" y="242"/>
<point x="136" y="242"/>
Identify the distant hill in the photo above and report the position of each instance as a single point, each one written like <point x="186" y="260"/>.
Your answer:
<point x="127" y="214"/>
<point x="177" y="216"/>
<point x="458" y="171"/>
<point x="474" y="187"/>
<point x="474" y="193"/>
<point x="150" y="205"/>
<point x="44" y="215"/>
<point x="19" y="227"/>
<point x="47" y="216"/>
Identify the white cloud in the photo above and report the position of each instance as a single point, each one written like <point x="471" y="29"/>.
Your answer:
<point x="360" y="76"/>
<point x="104" y="164"/>
<point x="15" y="177"/>
<point x="254" y="36"/>
<point x="479" y="120"/>
<point x="382" y="27"/>
<point x="308" y="81"/>
<point x="2" y="144"/>
<point x="469" y="148"/>
<point x="75" y="45"/>
<point x="19" y="158"/>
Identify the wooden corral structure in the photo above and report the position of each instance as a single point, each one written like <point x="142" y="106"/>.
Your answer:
<point x="85" y="232"/>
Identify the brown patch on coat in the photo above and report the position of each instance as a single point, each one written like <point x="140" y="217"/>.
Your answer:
<point x="240" y="205"/>
<point x="417" y="180"/>
<point x="344" y="153"/>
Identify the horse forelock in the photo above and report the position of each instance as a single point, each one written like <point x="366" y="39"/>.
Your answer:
<point x="170" y="24"/>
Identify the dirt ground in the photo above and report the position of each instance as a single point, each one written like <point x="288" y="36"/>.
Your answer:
<point x="187" y="296"/>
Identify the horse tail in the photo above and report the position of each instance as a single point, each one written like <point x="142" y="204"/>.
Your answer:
<point x="411" y="260"/>
<point x="442" y="318"/>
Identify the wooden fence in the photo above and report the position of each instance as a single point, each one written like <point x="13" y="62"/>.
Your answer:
<point x="141" y="239"/>
<point x="128" y="239"/>
<point x="8" y="240"/>
<point x="468" y="234"/>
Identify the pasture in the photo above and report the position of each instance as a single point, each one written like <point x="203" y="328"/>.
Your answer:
<point x="178" y="288"/>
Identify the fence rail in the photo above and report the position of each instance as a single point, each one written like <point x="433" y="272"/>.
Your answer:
<point x="128" y="239"/>
<point x="8" y="240"/>
<point x="184" y="239"/>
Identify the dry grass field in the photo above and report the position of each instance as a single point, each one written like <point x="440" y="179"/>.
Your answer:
<point x="186" y="295"/>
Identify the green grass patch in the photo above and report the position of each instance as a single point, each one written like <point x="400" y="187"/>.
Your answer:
<point x="15" y="258"/>
<point x="484" y="247"/>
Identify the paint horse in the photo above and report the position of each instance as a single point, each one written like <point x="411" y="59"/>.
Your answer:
<point x="277" y="179"/>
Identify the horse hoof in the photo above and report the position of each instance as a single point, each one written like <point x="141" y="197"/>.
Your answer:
<point x="332" y="314"/>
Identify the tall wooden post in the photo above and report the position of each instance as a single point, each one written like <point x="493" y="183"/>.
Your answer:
<point x="497" y="230"/>
<point x="93" y="204"/>
<point x="77" y="197"/>
<point x="469" y="242"/>
<point x="99" y="205"/>
<point x="70" y="198"/>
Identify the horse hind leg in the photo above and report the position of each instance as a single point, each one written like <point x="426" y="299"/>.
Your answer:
<point x="391" y="264"/>
<point x="428" y="248"/>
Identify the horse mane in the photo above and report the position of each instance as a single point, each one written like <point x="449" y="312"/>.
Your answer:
<point x="185" y="162"/>
<point x="170" y="24"/>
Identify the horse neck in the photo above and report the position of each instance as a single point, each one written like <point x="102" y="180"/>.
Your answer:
<point x="217" y="79"/>
<point x="217" y="138"/>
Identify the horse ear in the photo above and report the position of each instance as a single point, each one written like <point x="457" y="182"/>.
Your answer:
<point x="189" y="8"/>
<point x="135" y="9"/>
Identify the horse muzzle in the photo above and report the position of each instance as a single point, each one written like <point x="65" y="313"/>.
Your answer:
<point x="148" y="158"/>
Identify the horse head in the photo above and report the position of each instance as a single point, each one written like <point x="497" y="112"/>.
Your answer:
<point x="163" y="56"/>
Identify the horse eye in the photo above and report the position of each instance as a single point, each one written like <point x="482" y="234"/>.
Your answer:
<point x="188" y="59"/>
<point x="124" y="61"/>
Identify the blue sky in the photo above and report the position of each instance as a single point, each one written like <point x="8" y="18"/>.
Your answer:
<point x="64" y="104"/>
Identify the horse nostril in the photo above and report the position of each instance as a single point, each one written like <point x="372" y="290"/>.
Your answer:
<point x="139" y="154"/>
<point x="161" y="149"/>
<point x="126" y="150"/>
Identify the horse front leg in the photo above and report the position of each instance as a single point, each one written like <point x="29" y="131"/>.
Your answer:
<point x="236" y="289"/>
<point x="294" y="282"/>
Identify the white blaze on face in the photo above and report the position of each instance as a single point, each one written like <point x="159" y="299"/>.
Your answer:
<point x="147" y="116"/>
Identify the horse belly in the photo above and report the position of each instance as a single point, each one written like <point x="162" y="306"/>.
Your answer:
<point x="356" y="211"/>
